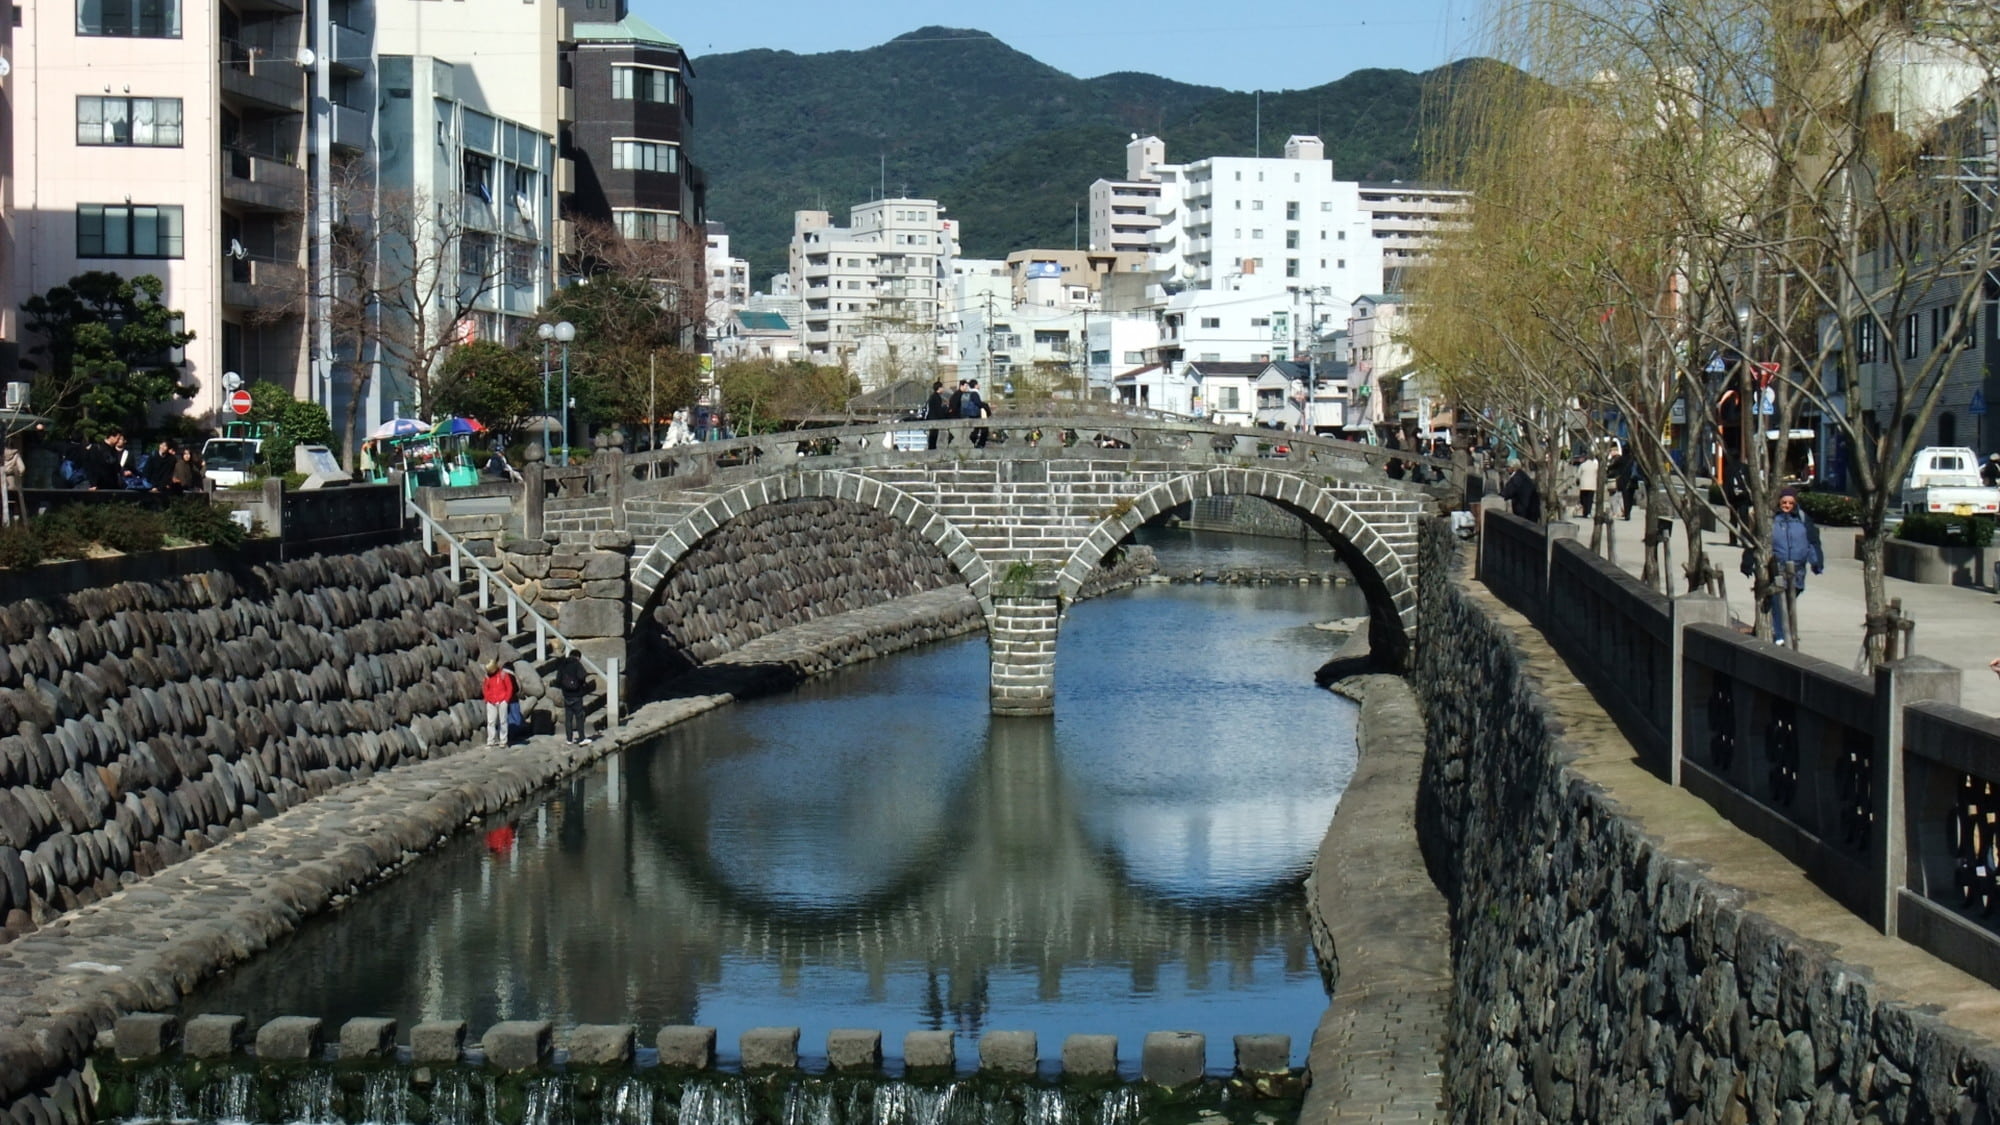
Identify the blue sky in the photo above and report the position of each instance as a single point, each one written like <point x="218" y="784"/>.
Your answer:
<point x="1238" y="44"/>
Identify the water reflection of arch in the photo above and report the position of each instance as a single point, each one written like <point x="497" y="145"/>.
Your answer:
<point x="1337" y="511"/>
<point x="962" y="907"/>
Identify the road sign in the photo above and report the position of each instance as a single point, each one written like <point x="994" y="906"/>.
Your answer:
<point x="1978" y="407"/>
<point x="239" y="401"/>
<point x="1715" y="365"/>
<point x="1767" y="372"/>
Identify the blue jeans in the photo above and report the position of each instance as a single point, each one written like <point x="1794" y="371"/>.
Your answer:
<point x="1778" y="610"/>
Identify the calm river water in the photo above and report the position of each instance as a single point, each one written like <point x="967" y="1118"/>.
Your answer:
<point x="876" y="850"/>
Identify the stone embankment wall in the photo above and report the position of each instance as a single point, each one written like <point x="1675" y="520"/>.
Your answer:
<point x="1602" y="976"/>
<point x="1245" y="515"/>
<point x="146" y="720"/>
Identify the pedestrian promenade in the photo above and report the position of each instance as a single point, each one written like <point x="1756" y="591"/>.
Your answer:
<point x="1955" y="624"/>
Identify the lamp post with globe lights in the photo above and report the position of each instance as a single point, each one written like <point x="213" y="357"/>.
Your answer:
<point x="561" y="332"/>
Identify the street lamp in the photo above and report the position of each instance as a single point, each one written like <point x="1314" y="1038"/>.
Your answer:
<point x="562" y="332"/>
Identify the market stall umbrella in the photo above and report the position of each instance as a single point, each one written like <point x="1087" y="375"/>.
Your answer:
<point x="398" y="428"/>
<point x="459" y="426"/>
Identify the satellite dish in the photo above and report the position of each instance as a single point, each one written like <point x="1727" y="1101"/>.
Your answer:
<point x="306" y="56"/>
<point x="237" y="251"/>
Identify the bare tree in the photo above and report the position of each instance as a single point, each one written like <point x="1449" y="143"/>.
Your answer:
<point x="410" y="272"/>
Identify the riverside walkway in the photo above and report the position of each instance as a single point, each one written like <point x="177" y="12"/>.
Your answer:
<point x="1957" y="625"/>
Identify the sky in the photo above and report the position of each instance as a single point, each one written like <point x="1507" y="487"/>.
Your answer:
<point x="1236" y="44"/>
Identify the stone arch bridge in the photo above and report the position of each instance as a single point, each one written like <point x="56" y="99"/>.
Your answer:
<point x="1023" y="519"/>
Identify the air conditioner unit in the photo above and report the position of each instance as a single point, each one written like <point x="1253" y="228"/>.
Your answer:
<point x="17" y="396"/>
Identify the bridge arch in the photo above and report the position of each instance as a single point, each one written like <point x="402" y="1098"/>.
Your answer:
<point x="1388" y="580"/>
<point x="651" y="570"/>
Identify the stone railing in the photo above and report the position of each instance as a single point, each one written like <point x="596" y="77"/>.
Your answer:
<point x="1617" y="949"/>
<point x="1881" y="789"/>
<point x="609" y="468"/>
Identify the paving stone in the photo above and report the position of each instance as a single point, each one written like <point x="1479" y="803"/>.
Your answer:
<point x="601" y="1044"/>
<point x="516" y="1045"/>
<point x="213" y="1036"/>
<point x="854" y="1049"/>
<point x="289" y="1037"/>
<point x="368" y="1037"/>
<point x="1173" y="1058"/>
<point x="930" y="1050"/>
<point x="1090" y="1056"/>
<point x="437" y="1041"/>
<point x="146" y="1035"/>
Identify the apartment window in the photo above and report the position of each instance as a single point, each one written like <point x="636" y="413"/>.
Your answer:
<point x="1256" y="205"/>
<point x="1260" y="322"/>
<point x="1912" y="336"/>
<point x="1211" y="322"/>
<point x="149" y="122"/>
<point x="1326" y="204"/>
<point x="136" y="19"/>
<point x="642" y="84"/>
<point x="1291" y="267"/>
<point x="1257" y="232"/>
<point x="651" y="225"/>
<point x="1226" y="398"/>
<point x="1867" y="341"/>
<point x="1340" y="263"/>
<point x="479" y="176"/>
<point x="645" y="156"/>
<point x="1341" y="236"/>
<point x="1292" y="211"/>
<point x="1135" y="357"/>
<point x="105" y="230"/>
<point x="1940" y="320"/>
<point x="1291" y="240"/>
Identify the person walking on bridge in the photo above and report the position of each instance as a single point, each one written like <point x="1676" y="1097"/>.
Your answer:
<point x="936" y="409"/>
<point x="972" y="406"/>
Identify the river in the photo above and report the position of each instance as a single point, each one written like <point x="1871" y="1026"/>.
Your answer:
<point x="875" y="850"/>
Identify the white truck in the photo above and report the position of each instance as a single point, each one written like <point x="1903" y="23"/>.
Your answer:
<point x="1944" y="480"/>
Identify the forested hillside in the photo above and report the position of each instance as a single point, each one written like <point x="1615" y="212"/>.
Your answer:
<point x="1010" y="146"/>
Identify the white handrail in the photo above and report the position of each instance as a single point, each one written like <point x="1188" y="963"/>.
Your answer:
<point x="516" y="605"/>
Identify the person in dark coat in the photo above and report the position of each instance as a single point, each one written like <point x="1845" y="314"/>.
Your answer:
<point x="972" y="406"/>
<point x="936" y="409"/>
<point x="573" y="680"/>
<point x="1523" y="497"/>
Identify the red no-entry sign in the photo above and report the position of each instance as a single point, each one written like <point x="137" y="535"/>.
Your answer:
<point x="239" y="401"/>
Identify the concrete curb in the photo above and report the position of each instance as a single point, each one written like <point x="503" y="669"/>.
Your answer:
<point x="1381" y="929"/>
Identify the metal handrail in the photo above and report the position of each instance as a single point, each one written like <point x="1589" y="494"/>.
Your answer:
<point x="516" y="605"/>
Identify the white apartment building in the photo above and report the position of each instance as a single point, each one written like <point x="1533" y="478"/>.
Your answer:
<point x="875" y="291"/>
<point x="1377" y="353"/>
<point x="1408" y="219"/>
<point x="728" y="280"/>
<point x="1276" y="223"/>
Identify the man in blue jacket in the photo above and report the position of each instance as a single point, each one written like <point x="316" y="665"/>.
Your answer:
<point x="1794" y="541"/>
<point x="972" y="406"/>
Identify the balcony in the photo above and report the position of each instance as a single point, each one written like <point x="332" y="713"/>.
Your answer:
<point x="268" y="287"/>
<point x="261" y="79"/>
<point x="566" y="103"/>
<point x="565" y="175"/>
<point x="352" y="50"/>
<point x="350" y="127"/>
<point x="260" y="183"/>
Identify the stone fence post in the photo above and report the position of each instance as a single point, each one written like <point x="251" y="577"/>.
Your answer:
<point x="1686" y="610"/>
<point x="1899" y="683"/>
<point x="534" y="491"/>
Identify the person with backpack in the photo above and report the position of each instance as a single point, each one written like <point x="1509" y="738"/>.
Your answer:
<point x="499" y="695"/>
<point x="574" y="683"/>
<point x="970" y="405"/>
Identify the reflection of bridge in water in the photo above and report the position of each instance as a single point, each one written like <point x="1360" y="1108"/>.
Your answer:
<point x="659" y="919"/>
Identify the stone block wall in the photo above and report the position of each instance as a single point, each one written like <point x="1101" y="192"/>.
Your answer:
<point x="782" y="565"/>
<point x="1599" y="977"/>
<point x="143" y="721"/>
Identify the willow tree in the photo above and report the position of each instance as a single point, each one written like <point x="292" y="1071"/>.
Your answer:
<point x="1809" y="189"/>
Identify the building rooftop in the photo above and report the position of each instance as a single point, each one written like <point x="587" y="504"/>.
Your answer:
<point x="631" y="29"/>
<point x="755" y="320"/>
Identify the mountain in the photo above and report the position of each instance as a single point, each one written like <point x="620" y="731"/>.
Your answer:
<point x="1008" y="144"/>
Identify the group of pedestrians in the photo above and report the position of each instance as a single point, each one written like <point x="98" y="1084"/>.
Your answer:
<point x="965" y="402"/>
<point x="111" y="462"/>
<point x="503" y="705"/>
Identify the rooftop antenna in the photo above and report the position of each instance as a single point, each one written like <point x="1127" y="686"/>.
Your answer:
<point x="882" y="188"/>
